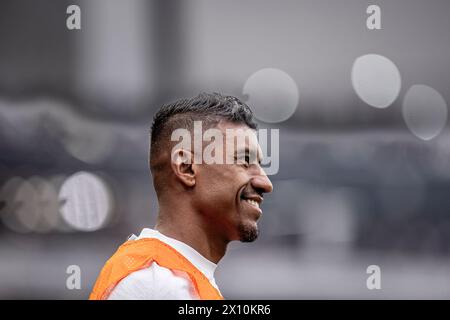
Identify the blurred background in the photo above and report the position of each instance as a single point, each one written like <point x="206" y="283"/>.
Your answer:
<point x="364" y="145"/>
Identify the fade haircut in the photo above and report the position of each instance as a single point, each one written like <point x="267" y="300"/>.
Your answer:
<point x="210" y="108"/>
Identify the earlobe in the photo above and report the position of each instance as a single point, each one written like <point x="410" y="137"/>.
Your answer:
<point x="182" y="166"/>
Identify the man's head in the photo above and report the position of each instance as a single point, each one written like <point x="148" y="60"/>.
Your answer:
<point x="225" y="195"/>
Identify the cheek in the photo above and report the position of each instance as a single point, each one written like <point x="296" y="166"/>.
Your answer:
<point x="220" y="186"/>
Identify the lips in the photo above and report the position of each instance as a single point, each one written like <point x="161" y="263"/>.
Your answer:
<point x="253" y="200"/>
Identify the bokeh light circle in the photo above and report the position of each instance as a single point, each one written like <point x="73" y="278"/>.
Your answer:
<point x="376" y="80"/>
<point x="27" y="201"/>
<point x="87" y="201"/>
<point x="47" y="206"/>
<point x="272" y="94"/>
<point x="424" y="111"/>
<point x="11" y="205"/>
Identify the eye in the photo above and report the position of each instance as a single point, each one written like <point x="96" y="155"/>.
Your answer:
<point x="247" y="159"/>
<point x="243" y="160"/>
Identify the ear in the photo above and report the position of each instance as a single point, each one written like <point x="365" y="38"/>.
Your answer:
<point x="183" y="167"/>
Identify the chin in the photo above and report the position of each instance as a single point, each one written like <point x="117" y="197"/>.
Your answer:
<point x="248" y="233"/>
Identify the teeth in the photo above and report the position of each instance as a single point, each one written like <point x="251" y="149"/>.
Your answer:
<point x="252" y="202"/>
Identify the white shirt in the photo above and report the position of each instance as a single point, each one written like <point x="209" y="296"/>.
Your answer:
<point x="159" y="283"/>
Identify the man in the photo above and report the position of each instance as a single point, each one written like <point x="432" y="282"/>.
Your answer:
<point x="203" y="205"/>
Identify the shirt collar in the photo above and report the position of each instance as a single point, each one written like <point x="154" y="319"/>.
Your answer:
<point x="206" y="266"/>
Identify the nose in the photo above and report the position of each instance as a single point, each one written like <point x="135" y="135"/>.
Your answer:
<point x="262" y="183"/>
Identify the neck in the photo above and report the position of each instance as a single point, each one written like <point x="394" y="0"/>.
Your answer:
<point x="188" y="227"/>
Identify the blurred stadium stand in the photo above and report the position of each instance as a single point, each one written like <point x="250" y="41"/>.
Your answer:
<point x="355" y="186"/>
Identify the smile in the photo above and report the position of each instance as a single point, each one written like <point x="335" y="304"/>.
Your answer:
<point x="253" y="203"/>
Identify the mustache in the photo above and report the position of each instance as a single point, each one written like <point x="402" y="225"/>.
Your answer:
<point x="252" y="193"/>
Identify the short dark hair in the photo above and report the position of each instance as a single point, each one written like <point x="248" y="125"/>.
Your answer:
<point x="209" y="108"/>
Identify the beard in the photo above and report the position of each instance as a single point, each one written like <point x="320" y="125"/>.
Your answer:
<point x="248" y="233"/>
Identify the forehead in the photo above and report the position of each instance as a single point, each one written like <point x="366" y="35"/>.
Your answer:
<point x="230" y="129"/>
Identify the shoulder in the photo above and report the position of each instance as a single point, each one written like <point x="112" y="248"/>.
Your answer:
<point x="154" y="283"/>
